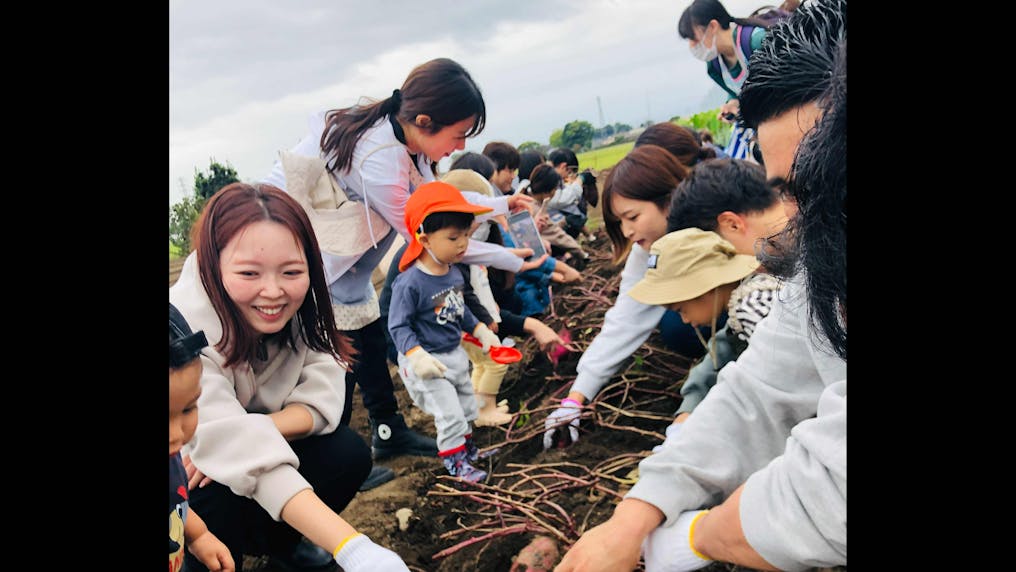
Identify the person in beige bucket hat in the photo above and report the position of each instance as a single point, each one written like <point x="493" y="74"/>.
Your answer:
<point x="693" y="272"/>
<point x="687" y="265"/>
<point x="698" y="273"/>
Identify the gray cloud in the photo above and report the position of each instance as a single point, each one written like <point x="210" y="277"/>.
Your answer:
<point x="245" y="75"/>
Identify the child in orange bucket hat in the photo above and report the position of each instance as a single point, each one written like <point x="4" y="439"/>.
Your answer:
<point x="428" y="315"/>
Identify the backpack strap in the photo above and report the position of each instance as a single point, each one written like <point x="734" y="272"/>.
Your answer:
<point x="745" y="40"/>
<point x="714" y="67"/>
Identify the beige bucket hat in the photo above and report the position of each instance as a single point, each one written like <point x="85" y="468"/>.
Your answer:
<point x="688" y="263"/>
<point x="468" y="180"/>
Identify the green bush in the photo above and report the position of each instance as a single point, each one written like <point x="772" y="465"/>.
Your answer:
<point x="183" y="214"/>
<point x="181" y="217"/>
<point x="708" y="120"/>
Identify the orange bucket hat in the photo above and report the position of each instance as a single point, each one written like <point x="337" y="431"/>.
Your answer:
<point x="432" y="197"/>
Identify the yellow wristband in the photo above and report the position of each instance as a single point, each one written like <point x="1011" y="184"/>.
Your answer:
<point x="691" y="536"/>
<point x="335" y="553"/>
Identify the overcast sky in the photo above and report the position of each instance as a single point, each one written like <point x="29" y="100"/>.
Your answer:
<point x="244" y="76"/>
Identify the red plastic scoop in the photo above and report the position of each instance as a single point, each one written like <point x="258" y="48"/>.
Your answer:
<point x="500" y="354"/>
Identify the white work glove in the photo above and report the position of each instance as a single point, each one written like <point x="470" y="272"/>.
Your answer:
<point x="486" y="337"/>
<point x="426" y="366"/>
<point x="668" y="548"/>
<point x="568" y="414"/>
<point x="672" y="430"/>
<point x="360" y="554"/>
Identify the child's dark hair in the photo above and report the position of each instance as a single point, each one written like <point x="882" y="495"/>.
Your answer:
<point x="475" y="161"/>
<point x="715" y="187"/>
<point x="544" y="179"/>
<point x="504" y="155"/>
<point x="590" y="193"/>
<point x="528" y="160"/>
<point x="563" y="155"/>
<point x="184" y="345"/>
<point x="439" y="220"/>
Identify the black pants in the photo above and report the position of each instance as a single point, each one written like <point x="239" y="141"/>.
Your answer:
<point x="335" y="464"/>
<point x="370" y="372"/>
<point x="385" y="303"/>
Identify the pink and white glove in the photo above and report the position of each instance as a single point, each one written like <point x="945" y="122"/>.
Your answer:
<point x="567" y="415"/>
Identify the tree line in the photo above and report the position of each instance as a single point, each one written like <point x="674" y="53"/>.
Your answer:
<point x="579" y="135"/>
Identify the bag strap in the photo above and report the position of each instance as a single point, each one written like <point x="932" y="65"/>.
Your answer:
<point x="745" y="37"/>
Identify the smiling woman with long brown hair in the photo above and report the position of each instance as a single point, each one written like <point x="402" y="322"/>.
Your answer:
<point x="269" y="459"/>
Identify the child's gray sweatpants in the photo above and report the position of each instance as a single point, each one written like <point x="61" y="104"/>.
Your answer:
<point x="449" y="399"/>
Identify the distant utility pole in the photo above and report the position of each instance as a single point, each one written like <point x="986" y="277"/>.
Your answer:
<point x="600" y="106"/>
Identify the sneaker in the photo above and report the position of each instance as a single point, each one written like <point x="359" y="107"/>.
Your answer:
<point x="473" y="452"/>
<point x="305" y="556"/>
<point x="391" y="437"/>
<point x="458" y="466"/>
<point x="378" y="476"/>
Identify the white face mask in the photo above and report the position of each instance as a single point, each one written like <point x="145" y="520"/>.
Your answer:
<point x="700" y="52"/>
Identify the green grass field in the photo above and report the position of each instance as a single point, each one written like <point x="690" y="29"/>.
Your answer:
<point x="605" y="157"/>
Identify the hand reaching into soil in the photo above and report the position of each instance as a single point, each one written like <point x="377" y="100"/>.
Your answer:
<point x="544" y="336"/>
<point x="615" y="544"/>
<point x="566" y="273"/>
<point x="565" y="416"/>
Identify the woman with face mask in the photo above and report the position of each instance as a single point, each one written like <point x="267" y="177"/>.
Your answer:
<point x="725" y="44"/>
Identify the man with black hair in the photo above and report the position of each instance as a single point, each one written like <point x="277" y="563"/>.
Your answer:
<point x="766" y="449"/>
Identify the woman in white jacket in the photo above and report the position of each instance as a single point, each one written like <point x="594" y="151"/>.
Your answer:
<point x="379" y="153"/>
<point x="269" y="457"/>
